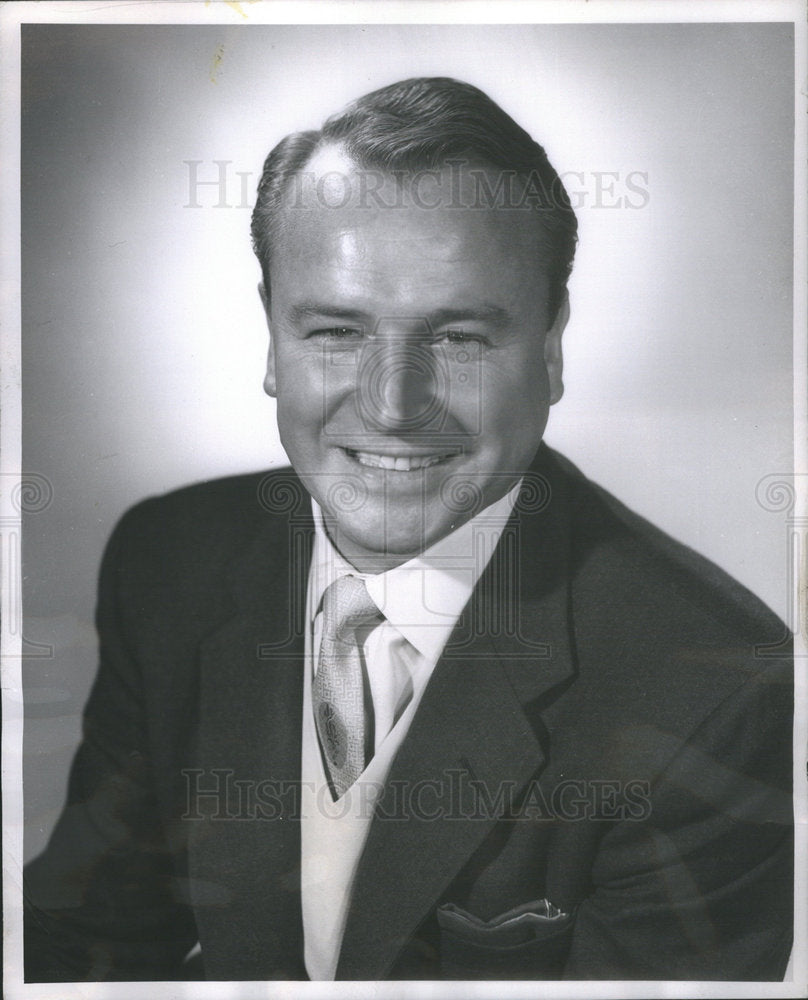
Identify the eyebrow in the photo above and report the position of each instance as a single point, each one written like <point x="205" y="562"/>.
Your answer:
<point x="302" y="310"/>
<point x="482" y="312"/>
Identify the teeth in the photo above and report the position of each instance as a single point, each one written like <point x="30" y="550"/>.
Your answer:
<point x="396" y="464"/>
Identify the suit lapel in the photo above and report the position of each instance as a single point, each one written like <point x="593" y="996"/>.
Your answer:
<point x="244" y="856"/>
<point x="474" y="742"/>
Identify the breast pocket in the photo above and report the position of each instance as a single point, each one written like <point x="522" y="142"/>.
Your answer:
<point x="531" y="941"/>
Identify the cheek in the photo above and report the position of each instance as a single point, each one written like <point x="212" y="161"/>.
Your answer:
<point x="515" y="397"/>
<point x="299" y="379"/>
<point x="299" y="404"/>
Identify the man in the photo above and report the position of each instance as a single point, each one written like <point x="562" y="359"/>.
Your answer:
<point x="433" y="705"/>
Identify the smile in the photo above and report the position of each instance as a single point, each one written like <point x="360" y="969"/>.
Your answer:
<point x="396" y="463"/>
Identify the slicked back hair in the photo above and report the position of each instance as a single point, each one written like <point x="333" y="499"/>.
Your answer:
<point x="419" y="124"/>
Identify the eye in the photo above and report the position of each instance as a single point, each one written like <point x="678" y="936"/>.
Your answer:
<point x="338" y="332"/>
<point x="461" y="337"/>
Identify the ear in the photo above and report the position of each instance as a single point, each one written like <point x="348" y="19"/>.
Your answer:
<point x="553" y="355"/>
<point x="269" y="377"/>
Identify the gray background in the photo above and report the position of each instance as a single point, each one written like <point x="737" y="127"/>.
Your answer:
<point x="144" y="341"/>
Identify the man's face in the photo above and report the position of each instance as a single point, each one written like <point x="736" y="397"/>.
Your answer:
<point x="410" y="356"/>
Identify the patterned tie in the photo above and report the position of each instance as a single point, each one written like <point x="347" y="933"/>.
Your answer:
<point x="343" y="720"/>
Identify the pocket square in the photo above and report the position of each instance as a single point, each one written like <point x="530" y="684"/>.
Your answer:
<point x="533" y="921"/>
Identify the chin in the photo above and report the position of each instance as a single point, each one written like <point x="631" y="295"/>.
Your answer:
<point x="392" y="543"/>
<point x="387" y="544"/>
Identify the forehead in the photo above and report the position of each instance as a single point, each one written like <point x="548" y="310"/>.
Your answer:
<point x="343" y="223"/>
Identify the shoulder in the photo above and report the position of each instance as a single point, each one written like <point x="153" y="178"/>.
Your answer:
<point x="201" y="527"/>
<point x="625" y="561"/>
<point x="660" y="633"/>
<point x="233" y="505"/>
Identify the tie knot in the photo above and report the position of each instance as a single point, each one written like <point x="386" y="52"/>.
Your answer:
<point x="347" y="605"/>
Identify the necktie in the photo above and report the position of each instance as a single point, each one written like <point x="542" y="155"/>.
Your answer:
<point x="342" y="717"/>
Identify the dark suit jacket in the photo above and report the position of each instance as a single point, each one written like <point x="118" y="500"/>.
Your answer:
<point x="608" y="729"/>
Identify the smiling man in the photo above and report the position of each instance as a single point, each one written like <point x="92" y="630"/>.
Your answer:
<point x="411" y="347"/>
<point x="430" y="705"/>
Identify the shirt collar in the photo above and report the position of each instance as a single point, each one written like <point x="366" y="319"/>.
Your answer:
<point x="423" y="597"/>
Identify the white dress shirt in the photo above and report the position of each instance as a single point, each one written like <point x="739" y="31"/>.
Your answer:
<point x="421" y="601"/>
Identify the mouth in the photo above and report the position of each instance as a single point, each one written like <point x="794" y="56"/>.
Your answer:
<point x="397" y="463"/>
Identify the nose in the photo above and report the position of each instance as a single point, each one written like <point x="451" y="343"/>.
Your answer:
<point x="399" y="383"/>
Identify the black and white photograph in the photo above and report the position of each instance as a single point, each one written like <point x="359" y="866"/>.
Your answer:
<point x="404" y="499"/>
